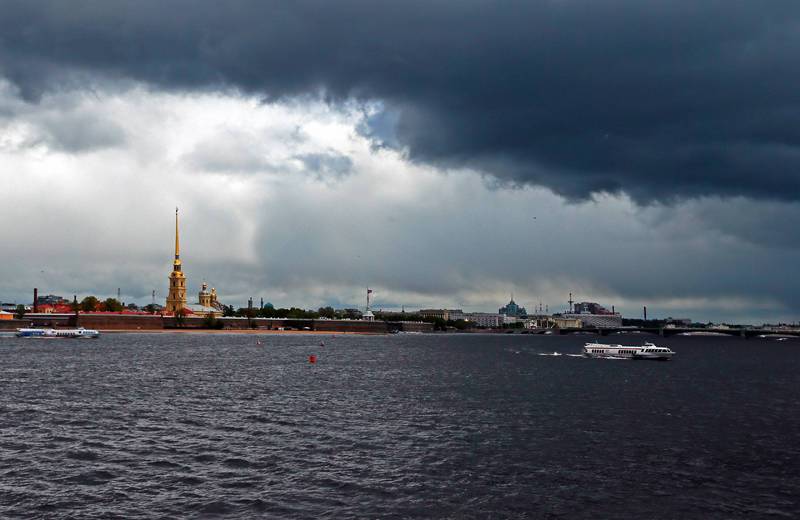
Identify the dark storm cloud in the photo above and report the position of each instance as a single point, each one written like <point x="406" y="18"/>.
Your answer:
<point x="656" y="98"/>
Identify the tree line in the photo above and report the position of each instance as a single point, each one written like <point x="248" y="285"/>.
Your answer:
<point x="268" y="311"/>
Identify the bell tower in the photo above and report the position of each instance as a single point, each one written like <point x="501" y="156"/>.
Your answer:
<point x="176" y="298"/>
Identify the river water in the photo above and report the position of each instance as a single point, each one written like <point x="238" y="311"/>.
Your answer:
<point x="403" y="426"/>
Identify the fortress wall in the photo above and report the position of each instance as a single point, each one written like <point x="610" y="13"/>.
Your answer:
<point x="14" y="324"/>
<point x="48" y="320"/>
<point x="350" y="326"/>
<point x="411" y="326"/>
<point x="121" y="321"/>
<point x="157" y="322"/>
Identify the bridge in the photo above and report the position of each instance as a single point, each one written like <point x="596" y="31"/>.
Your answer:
<point x="669" y="331"/>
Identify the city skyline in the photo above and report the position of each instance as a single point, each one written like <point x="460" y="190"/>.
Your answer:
<point x="311" y="167"/>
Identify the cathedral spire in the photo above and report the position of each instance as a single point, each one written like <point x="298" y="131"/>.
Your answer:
<point x="176" y="298"/>
<point x="177" y="241"/>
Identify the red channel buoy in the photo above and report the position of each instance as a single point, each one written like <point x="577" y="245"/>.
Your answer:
<point x="312" y="359"/>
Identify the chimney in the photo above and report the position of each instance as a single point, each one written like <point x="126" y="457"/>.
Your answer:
<point x="645" y="313"/>
<point x="35" y="299"/>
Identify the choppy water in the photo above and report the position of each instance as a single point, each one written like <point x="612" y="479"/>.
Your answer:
<point x="458" y="426"/>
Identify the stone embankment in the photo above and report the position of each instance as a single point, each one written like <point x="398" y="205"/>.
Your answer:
<point x="147" y="322"/>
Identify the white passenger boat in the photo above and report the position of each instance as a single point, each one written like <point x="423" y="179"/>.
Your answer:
<point x="646" y="351"/>
<point x="80" y="332"/>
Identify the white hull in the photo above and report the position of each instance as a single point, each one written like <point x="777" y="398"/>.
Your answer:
<point x="646" y="351"/>
<point x="79" y="333"/>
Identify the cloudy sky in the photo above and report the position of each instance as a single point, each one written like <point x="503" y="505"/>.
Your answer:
<point x="632" y="152"/>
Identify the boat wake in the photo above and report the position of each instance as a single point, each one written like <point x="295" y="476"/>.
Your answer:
<point x="558" y="354"/>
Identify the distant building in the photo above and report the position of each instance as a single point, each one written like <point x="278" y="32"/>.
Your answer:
<point x="552" y="322"/>
<point x="444" y="314"/>
<point x="590" y="308"/>
<point x="594" y="315"/>
<point x="512" y="309"/>
<point x="207" y="303"/>
<point x="485" y="319"/>
<point x="679" y="322"/>
<point x="51" y="299"/>
<point x="206" y="298"/>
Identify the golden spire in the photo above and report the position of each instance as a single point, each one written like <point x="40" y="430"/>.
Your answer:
<point x="177" y="262"/>
<point x="177" y="242"/>
<point x="176" y="298"/>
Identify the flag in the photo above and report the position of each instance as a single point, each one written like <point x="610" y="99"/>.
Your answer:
<point x="369" y="291"/>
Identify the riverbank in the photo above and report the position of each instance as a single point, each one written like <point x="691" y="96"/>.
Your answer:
<point x="157" y="323"/>
<point x="259" y="332"/>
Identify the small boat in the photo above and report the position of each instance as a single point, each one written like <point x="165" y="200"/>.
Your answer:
<point x="78" y="333"/>
<point x="646" y="351"/>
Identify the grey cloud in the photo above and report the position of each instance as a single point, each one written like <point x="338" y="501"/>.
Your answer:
<point x="326" y="165"/>
<point x="81" y="132"/>
<point x="63" y="124"/>
<point x="230" y="152"/>
<point x="659" y="99"/>
<point x="770" y="224"/>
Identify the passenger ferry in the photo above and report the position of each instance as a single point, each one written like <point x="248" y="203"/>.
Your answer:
<point x="646" y="351"/>
<point x="80" y="332"/>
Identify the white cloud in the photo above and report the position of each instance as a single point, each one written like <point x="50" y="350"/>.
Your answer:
<point x="288" y="201"/>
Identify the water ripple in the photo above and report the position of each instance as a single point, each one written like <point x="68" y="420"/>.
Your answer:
<point x="461" y="426"/>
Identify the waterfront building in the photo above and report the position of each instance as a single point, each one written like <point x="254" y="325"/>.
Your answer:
<point x="551" y="322"/>
<point x="444" y="314"/>
<point x="485" y="319"/>
<point x="512" y="309"/>
<point x="176" y="298"/>
<point x="594" y="315"/>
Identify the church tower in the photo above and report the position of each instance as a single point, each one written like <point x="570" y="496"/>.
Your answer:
<point x="176" y="299"/>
